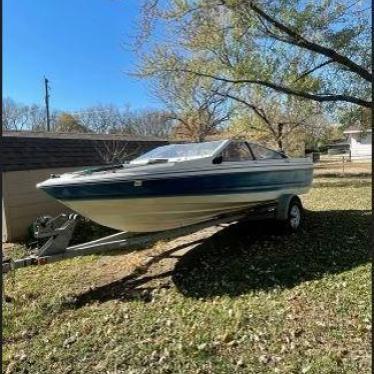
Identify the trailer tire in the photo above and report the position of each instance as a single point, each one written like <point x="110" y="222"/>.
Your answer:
<point x="294" y="216"/>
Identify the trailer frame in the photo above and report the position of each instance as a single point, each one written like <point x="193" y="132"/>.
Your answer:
<point x="58" y="231"/>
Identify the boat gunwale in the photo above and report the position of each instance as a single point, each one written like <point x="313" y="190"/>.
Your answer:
<point x="170" y="174"/>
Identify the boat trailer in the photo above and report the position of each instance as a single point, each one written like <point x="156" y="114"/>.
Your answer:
<point x="56" y="233"/>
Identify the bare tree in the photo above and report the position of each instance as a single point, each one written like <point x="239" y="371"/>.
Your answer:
<point x="154" y="123"/>
<point x="15" y="116"/>
<point x="117" y="152"/>
<point x="194" y="106"/>
<point x="102" y="119"/>
<point x="37" y="118"/>
<point x="109" y="119"/>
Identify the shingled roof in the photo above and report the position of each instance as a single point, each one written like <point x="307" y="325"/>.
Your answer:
<point x="30" y="151"/>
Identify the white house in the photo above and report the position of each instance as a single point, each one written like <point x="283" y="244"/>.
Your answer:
<point x="360" y="142"/>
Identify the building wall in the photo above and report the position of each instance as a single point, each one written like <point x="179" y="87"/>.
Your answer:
<point x="29" y="158"/>
<point x="23" y="202"/>
<point x="360" y="145"/>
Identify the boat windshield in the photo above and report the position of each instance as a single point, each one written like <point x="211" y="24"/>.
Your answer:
<point x="180" y="152"/>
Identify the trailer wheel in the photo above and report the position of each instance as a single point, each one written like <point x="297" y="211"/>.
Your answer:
<point x="294" y="216"/>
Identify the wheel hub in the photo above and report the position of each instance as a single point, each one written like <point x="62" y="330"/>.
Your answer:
<point x="295" y="216"/>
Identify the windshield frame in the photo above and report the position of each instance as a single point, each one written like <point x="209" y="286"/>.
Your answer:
<point x="144" y="159"/>
<point x="283" y="155"/>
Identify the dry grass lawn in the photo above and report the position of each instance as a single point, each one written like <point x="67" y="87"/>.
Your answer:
<point x="244" y="298"/>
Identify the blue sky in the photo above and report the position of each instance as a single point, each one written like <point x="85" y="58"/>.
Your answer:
<point x="77" y="45"/>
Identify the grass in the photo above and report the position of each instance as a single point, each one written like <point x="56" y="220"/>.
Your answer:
<point x="238" y="299"/>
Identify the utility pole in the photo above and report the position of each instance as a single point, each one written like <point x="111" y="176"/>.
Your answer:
<point x="47" y="103"/>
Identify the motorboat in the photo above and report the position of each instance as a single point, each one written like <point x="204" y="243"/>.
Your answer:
<point x="178" y="185"/>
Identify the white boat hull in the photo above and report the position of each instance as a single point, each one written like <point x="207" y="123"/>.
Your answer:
<point x="165" y="213"/>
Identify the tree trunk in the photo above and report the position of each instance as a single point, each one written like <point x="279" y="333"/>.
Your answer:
<point x="280" y="136"/>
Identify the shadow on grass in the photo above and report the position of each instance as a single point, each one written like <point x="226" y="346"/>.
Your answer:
<point x="252" y="256"/>
<point x="240" y="259"/>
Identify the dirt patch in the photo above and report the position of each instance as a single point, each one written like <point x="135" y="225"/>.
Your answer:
<point x="138" y="273"/>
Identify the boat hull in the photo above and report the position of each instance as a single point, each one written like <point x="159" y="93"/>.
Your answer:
<point x="146" y="200"/>
<point x="152" y="214"/>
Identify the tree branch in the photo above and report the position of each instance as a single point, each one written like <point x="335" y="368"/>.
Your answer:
<point x="256" y="110"/>
<point x="302" y="42"/>
<point x="314" y="69"/>
<point x="286" y="90"/>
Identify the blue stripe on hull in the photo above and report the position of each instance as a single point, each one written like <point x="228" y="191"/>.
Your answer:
<point x="196" y="185"/>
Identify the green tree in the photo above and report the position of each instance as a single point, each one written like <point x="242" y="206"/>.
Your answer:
<point x="316" y="50"/>
<point x="355" y="116"/>
<point x="285" y="61"/>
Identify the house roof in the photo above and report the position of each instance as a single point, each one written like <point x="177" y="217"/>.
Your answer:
<point x="30" y="151"/>
<point x="355" y="130"/>
<point x="92" y="136"/>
